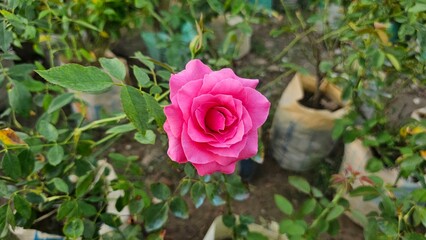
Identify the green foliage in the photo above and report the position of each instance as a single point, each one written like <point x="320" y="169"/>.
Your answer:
<point x="77" y="77"/>
<point x="314" y="216"/>
<point x="374" y="50"/>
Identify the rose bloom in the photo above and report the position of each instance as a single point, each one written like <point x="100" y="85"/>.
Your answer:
<point x="213" y="118"/>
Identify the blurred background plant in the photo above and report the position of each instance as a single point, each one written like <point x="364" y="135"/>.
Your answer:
<point x="376" y="52"/>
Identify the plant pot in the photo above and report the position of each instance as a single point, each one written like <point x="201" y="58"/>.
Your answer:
<point x="218" y="231"/>
<point x="300" y="135"/>
<point x="356" y="155"/>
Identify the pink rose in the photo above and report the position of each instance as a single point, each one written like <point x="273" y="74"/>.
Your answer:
<point x="213" y="119"/>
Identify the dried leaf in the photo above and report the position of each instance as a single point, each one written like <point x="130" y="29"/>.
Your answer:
<point x="9" y="137"/>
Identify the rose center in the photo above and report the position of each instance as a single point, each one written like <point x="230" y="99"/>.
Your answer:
<point x="215" y="120"/>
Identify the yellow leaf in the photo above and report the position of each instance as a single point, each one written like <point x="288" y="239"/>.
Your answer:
<point x="423" y="154"/>
<point x="417" y="130"/>
<point x="394" y="61"/>
<point x="104" y="34"/>
<point x="9" y="137"/>
<point x="44" y="38"/>
<point x="353" y="26"/>
<point x="383" y="37"/>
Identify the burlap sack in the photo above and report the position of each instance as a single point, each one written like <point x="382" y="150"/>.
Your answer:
<point x="301" y="136"/>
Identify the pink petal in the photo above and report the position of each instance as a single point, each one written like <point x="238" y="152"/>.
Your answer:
<point x="228" y="86"/>
<point x="197" y="133"/>
<point x="174" y="119"/>
<point x="209" y="168"/>
<point x="222" y="74"/>
<point x="215" y="120"/>
<point x="257" y="106"/>
<point x="194" y="70"/>
<point x="175" y="150"/>
<point x="185" y="96"/>
<point x="251" y="147"/>
<point x="196" y="152"/>
<point x="231" y="153"/>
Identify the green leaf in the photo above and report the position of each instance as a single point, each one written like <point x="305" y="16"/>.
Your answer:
<point x="111" y="220"/>
<point x="147" y="138"/>
<point x="20" y="99"/>
<point x="89" y="229"/>
<point x="229" y="220"/>
<point x="283" y="204"/>
<point x="67" y="209"/>
<point x="60" y="101"/>
<point x="365" y="191"/>
<point x="55" y="155"/>
<point x="213" y="194"/>
<point x="333" y="227"/>
<point x="22" y="206"/>
<point x="35" y="198"/>
<point x="316" y="192"/>
<point x="4" y="225"/>
<point x="300" y="184"/>
<point x="388" y="207"/>
<point x="3" y="190"/>
<point x="374" y="165"/>
<point x="115" y="67"/>
<point x="136" y="206"/>
<point x="121" y="129"/>
<point x="47" y="130"/>
<point x="160" y="191"/>
<point x="84" y="183"/>
<point x="237" y="191"/>
<point x="155" y="110"/>
<point x="6" y="38"/>
<point x="155" y="217"/>
<point x="77" y="77"/>
<point x="419" y="195"/>
<point x="74" y="228"/>
<point x="145" y="60"/>
<point x="290" y="227"/>
<point x="155" y="90"/>
<point x="359" y="217"/>
<point x="409" y="164"/>
<point x="394" y="61"/>
<point x="256" y="236"/>
<point x="216" y="5"/>
<point x="325" y="66"/>
<point x="198" y="194"/>
<point x="60" y="185"/>
<point x="418" y="7"/>
<point x="378" y="58"/>
<point x="335" y="212"/>
<point x="141" y="77"/>
<point x="189" y="170"/>
<point x="308" y="206"/>
<point x="185" y="186"/>
<point x="11" y="166"/>
<point x="135" y="107"/>
<point x="179" y="208"/>
<point x="26" y="162"/>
